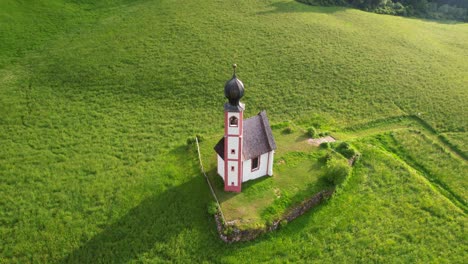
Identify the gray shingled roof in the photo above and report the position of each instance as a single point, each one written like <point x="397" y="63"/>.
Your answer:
<point x="258" y="138"/>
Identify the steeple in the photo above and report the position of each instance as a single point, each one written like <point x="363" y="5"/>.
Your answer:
<point x="234" y="89"/>
<point x="233" y="130"/>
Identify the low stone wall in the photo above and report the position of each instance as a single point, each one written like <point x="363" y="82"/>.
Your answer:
<point x="229" y="233"/>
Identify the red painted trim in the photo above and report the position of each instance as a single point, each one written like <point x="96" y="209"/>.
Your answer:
<point x="225" y="123"/>
<point x="239" y="162"/>
<point x="241" y="123"/>
<point x="241" y="142"/>
<point x="225" y="148"/>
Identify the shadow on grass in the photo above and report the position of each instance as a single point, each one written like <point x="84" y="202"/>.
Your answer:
<point x="297" y="7"/>
<point x="218" y="185"/>
<point x="301" y="138"/>
<point x="156" y="220"/>
<point x="155" y="223"/>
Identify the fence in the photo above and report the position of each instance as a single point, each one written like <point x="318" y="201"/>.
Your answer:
<point x="208" y="181"/>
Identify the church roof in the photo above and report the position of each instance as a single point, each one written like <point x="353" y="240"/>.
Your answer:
<point x="258" y="138"/>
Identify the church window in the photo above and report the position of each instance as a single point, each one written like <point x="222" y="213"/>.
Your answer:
<point x="232" y="168"/>
<point x="233" y="151"/>
<point x="255" y="164"/>
<point x="233" y="121"/>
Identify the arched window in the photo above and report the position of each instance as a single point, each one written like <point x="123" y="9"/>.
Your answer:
<point x="233" y="121"/>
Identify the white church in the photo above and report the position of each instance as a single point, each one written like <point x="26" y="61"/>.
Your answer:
<point x="246" y="151"/>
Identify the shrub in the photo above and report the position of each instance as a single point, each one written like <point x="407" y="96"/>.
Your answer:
<point x="324" y="134"/>
<point x="440" y="9"/>
<point x="283" y="223"/>
<point x="346" y="150"/>
<point x="212" y="208"/>
<point x="288" y="130"/>
<point x="228" y="230"/>
<point x="311" y="132"/>
<point x="201" y="138"/>
<point x="190" y="141"/>
<point x="280" y="125"/>
<point x="336" y="171"/>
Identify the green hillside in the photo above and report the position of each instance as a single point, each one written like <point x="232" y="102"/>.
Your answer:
<point x="98" y="100"/>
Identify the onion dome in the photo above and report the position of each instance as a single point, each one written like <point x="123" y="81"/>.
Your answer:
<point x="234" y="89"/>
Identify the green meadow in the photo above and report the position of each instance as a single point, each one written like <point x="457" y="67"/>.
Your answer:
<point x="97" y="101"/>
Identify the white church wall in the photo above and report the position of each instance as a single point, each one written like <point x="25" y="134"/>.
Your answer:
<point x="270" y="163"/>
<point x="220" y="167"/>
<point x="233" y="144"/>
<point x="233" y="130"/>
<point x="262" y="170"/>
<point x="232" y="173"/>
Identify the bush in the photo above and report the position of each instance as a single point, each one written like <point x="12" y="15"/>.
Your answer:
<point x="228" y="230"/>
<point x="440" y="9"/>
<point x="280" y="125"/>
<point x="212" y="208"/>
<point x="337" y="170"/>
<point x="311" y="132"/>
<point x="283" y="223"/>
<point x="190" y="141"/>
<point x="288" y="130"/>
<point x="324" y="134"/>
<point x="346" y="150"/>
<point x="201" y="138"/>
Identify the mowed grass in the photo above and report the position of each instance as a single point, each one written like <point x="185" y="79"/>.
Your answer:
<point x="298" y="170"/>
<point x="97" y="100"/>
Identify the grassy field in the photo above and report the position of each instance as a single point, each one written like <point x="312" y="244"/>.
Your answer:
<point x="97" y="101"/>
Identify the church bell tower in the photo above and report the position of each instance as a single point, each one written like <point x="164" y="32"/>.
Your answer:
<point x="233" y="138"/>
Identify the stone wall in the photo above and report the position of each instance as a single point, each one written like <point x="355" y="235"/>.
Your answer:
<point x="229" y="233"/>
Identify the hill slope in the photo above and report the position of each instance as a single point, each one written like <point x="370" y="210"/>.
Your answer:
<point x="97" y="99"/>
